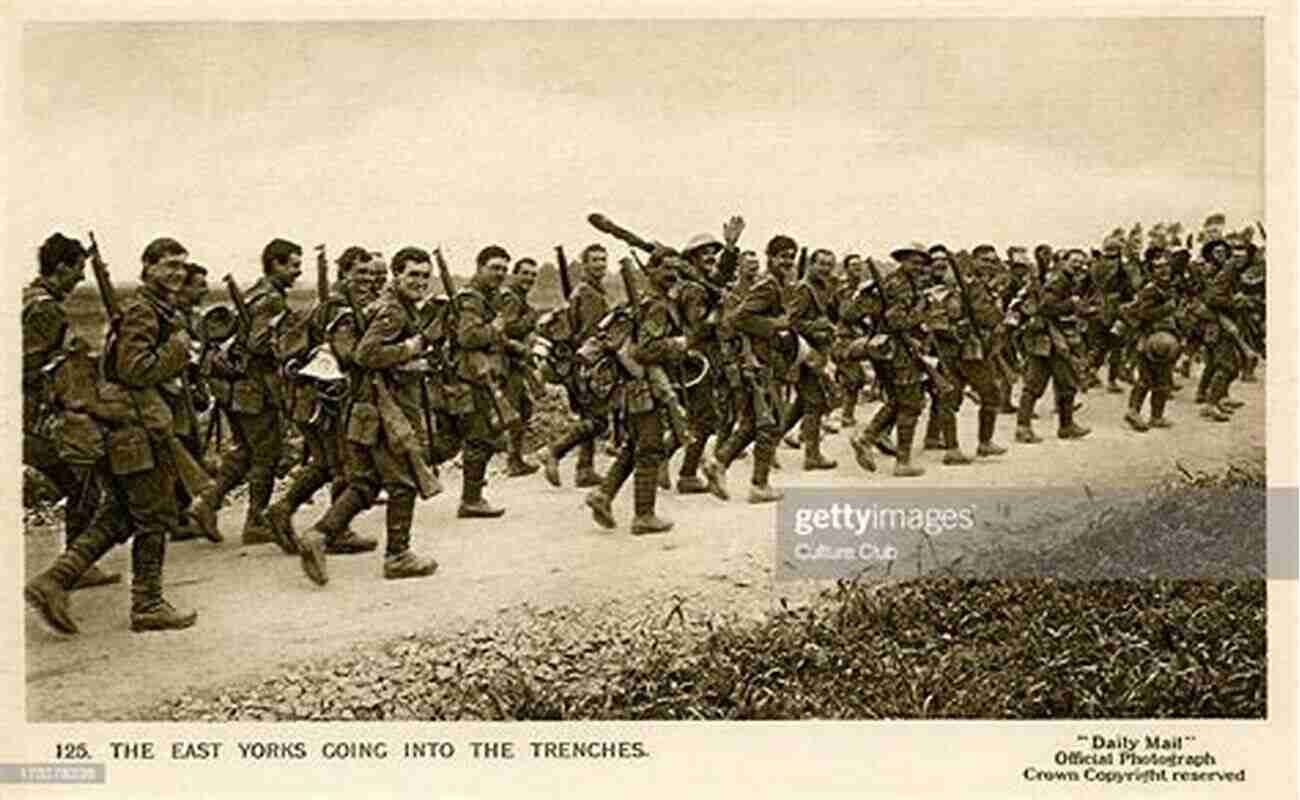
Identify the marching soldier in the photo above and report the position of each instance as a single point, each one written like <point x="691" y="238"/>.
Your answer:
<point x="661" y="342"/>
<point x="1047" y="352"/>
<point x="520" y="321"/>
<point x="254" y="393"/>
<point x="317" y="393"/>
<point x="197" y="394"/>
<point x="1227" y="300"/>
<point x="383" y="449"/>
<point x="812" y="308"/>
<point x="145" y="348"/>
<point x="849" y="372"/>
<point x="1153" y="313"/>
<point x="588" y="307"/>
<point x="47" y="339"/>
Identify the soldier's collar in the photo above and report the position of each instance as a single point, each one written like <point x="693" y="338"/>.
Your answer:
<point x="48" y="285"/>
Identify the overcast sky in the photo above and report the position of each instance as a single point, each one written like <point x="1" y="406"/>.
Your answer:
<point x="862" y="134"/>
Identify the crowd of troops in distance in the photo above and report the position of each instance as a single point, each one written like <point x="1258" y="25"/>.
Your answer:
<point x="717" y="353"/>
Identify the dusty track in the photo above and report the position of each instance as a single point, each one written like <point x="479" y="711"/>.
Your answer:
<point x="257" y="611"/>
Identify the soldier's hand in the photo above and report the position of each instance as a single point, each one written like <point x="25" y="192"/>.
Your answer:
<point x="731" y="230"/>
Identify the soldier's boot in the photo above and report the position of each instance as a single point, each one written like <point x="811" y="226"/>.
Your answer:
<point x="1135" y="400"/>
<point x="812" y="435"/>
<point x="1025" y="420"/>
<point x="1230" y="405"/>
<point x="792" y="442"/>
<point x="903" y="466"/>
<point x="47" y="593"/>
<point x="1008" y="407"/>
<point x="1212" y="412"/>
<point x="586" y="475"/>
<point x="1112" y="378"/>
<point x="1067" y="428"/>
<point x="1248" y="373"/>
<point x="644" y="488"/>
<point x="934" y="431"/>
<point x="518" y="466"/>
<point x="551" y="467"/>
<point x="954" y="456"/>
<point x="848" y="410"/>
<point x="204" y="513"/>
<point x="400" y="561"/>
<point x="687" y="481"/>
<point x="764" y="494"/>
<point x="279" y="516"/>
<point x="256" y="531"/>
<point x="1158" y="402"/>
<point x="716" y="478"/>
<point x="472" y="504"/>
<point x="315" y="544"/>
<point x="862" y="452"/>
<point x="150" y="611"/>
<point x="988" y="423"/>
<point x="601" y="511"/>
<point x="758" y="482"/>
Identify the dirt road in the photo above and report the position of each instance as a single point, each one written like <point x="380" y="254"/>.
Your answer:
<point x="257" y="611"/>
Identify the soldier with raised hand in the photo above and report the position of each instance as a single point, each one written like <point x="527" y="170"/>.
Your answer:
<point x="813" y="312"/>
<point x="254" y="392"/>
<point x="317" y="402"/>
<point x="146" y="347"/>
<point x="383" y="450"/>
<point x="1047" y="352"/>
<point x="47" y="338"/>
<point x="1153" y="315"/>
<point x="660" y="342"/>
<point x="588" y="306"/>
<point x="760" y="318"/>
<point x="520" y="321"/>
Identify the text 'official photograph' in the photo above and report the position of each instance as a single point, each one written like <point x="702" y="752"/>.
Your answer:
<point x="655" y="370"/>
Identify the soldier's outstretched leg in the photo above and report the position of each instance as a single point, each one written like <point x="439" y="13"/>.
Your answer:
<point x="599" y="498"/>
<point x="47" y="593"/>
<point x="644" y="429"/>
<point x="1067" y="428"/>
<point x="1159" y="399"/>
<point x="910" y="399"/>
<point x="1136" y="398"/>
<point x="150" y="611"/>
<point x="334" y="525"/>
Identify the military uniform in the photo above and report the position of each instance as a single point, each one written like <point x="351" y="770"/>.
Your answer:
<point x="147" y="349"/>
<point x="812" y="313"/>
<point x="661" y="343"/>
<point x="898" y="364"/>
<point x="520" y="322"/>
<point x="1153" y="312"/>
<point x="384" y="446"/>
<point x="45" y="333"/>
<point x="964" y="352"/>
<point x="587" y="307"/>
<point x="317" y="406"/>
<point x="253" y="400"/>
<point x="850" y="373"/>
<point x="695" y="308"/>
<point x="1225" y="299"/>
<point x="1047" y="353"/>
<point x="756" y="318"/>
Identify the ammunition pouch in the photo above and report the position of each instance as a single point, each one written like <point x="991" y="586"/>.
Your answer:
<point x="81" y="439"/>
<point x="363" y="424"/>
<point x="129" y="451"/>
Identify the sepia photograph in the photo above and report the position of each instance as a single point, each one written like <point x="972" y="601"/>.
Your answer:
<point x="609" y="371"/>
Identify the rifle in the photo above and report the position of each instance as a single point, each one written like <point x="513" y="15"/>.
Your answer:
<point x="245" y="319"/>
<point x="566" y="286"/>
<point x="488" y="376"/>
<point x="602" y="223"/>
<point x="1258" y="224"/>
<point x="661" y="386"/>
<point x="803" y="262"/>
<point x="191" y="474"/>
<point x="322" y="276"/>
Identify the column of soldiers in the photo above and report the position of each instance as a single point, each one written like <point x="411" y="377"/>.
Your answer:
<point x="387" y="381"/>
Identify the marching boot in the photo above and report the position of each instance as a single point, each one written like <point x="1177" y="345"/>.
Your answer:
<point x="94" y="576"/>
<point x="400" y="561"/>
<point x="813" y="458"/>
<point x="551" y="464"/>
<point x="1203" y="385"/>
<point x="472" y="504"/>
<point x="1008" y="407"/>
<point x="586" y="477"/>
<point x="601" y="512"/>
<point x="256" y="531"/>
<point x="903" y="467"/>
<point x="204" y="512"/>
<point x="1135" y="400"/>
<point x="954" y="456"/>
<point x="47" y="593"/>
<point x="644" y="489"/>
<point x="1025" y="419"/>
<point x="517" y="465"/>
<point x="149" y="610"/>
<point x="1158" y="401"/>
<point x="759" y="490"/>
<point x="849" y="409"/>
<point x="665" y="476"/>
<point x="862" y="453"/>
<point x="716" y="478"/>
<point x="988" y="423"/>
<point x="1067" y="429"/>
<point x="934" y="431"/>
<point x="881" y="421"/>
<point x="764" y="494"/>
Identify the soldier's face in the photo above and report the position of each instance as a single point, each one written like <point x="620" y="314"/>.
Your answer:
<point x="494" y="271"/>
<point x="853" y="269"/>
<point x="749" y="264"/>
<point x="526" y="277"/>
<point x="706" y="258"/>
<point x="70" y="275"/>
<point x="285" y="273"/>
<point x="413" y="282"/>
<point x="596" y="263"/>
<point x="1160" y="272"/>
<point x="170" y="273"/>
<point x="822" y="265"/>
<point x="196" y="290"/>
<point x="664" y="274"/>
<point x="782" y="262"/>
<point x="368" y="278"/>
